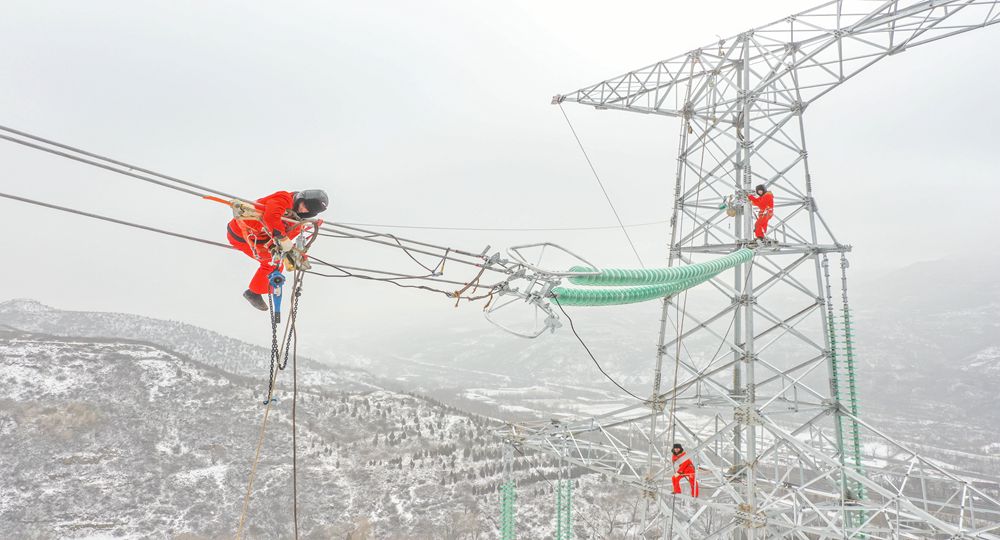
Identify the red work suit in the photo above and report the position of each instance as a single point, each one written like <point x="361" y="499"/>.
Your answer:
<point x="685" y="470"/>
<point x="765" y="204"/>
<point x="254" y="237"/>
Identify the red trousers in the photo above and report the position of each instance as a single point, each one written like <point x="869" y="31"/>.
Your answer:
<point x="760" y="227"/>
<point x="259" y="284"/>
<point x="691" y="481"/>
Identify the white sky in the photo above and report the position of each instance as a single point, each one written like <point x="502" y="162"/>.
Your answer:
<point x="429" y="113"/>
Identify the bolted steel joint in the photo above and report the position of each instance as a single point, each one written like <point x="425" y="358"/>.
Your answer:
<point x="748" y="519"/>
<point x="688" y="110"/>
<point x="657" y="404"/>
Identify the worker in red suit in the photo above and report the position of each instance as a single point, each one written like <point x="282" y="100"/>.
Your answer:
<point x="256" y="238"/>
<point x="764" y="201"/>
<point x="684" y="470"/>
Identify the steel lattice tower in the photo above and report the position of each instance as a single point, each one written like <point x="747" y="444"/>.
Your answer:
<point x="757" y="378"/>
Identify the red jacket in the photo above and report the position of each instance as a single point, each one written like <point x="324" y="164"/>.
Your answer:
<point x="272" y="208"/>
<point x="686" y="467"/>
<point x="765" y="202"/>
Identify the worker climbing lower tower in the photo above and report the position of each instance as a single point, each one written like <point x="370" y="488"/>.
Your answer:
<point x="267" y="232"/>
<point x="685" y="470"/>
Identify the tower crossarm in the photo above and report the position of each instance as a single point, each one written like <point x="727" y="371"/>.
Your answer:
<point x="794" y="60"/>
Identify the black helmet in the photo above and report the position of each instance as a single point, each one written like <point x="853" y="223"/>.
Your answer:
<point x="315" y="200"/>
<point x="677" y="446"/>
<point x="760" y="187"/>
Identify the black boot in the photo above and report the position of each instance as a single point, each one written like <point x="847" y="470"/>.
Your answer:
<point x="255" y="300"/>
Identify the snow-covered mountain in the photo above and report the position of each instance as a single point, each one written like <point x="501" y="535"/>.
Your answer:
<point x="210" y="348"/>
<point x="106" y="437"/>
<point x="928" y="345"/>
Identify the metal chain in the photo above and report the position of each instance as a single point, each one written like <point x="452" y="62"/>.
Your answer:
<point x="274" y="349"/>
<point x="296" y="293"/>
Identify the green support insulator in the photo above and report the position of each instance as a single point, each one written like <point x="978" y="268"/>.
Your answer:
<point x="621" y="277"/>
<point x="507" y="499"/>
<point x="564" y="509"/>
<point x="621" y="295"/>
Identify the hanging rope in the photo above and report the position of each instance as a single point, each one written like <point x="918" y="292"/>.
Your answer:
<point x="681" y="314"/>
<point x="295" y="401"/>
<point x="572" y="327"/>
<point x="600" y="183"/>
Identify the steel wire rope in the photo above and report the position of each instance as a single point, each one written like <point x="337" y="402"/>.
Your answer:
<point x="113" y="220"/>
<point x="479" y="259"/>
<point x="230" y="196"/>
<point x="600" y="183"/>
<point x="395" y="275"/>
<point x="109" y="167"/>
<point x="103" y="158"/>
<point x="348" y="270"/>
<point x="392" y="280"/>
<point x="507" y="229"/>
<point x="126" y="169"/>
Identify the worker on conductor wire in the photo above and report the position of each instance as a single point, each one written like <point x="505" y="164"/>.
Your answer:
<point x="764" y="201"/>
<point x="684" y="470"/>
<point x="256" y="238"/>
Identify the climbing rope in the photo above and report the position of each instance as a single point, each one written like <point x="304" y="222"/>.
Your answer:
<point x="681" y="314"/>
<point x="295" y="400"/>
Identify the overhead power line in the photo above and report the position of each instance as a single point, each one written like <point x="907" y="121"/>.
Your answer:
<point x="505" y="229"/>
<point x="113" y="220"/>
<point x="346" y="271"/>
<point x="147" y="175"/>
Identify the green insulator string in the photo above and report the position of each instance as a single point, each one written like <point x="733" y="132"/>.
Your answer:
<point x="622" y="295"/>
<point x="624" y="277"/>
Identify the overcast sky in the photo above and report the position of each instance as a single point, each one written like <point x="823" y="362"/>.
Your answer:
<point x="430" y="113"/>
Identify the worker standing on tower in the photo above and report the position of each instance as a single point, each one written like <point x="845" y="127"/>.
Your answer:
<point x="684" y="470"/>
<point x="257" y="237"/>
<point x="764" y="201"/>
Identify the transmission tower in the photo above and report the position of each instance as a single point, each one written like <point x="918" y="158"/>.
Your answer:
<point x="757" y="377"/>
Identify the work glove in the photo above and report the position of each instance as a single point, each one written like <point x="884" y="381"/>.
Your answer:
<point x="284" y="244"/>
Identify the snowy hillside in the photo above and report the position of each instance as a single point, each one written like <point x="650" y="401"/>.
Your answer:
<point x="929" y="352"/>
<point x="103" y="437"/>
<point x="231" y="355"/>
